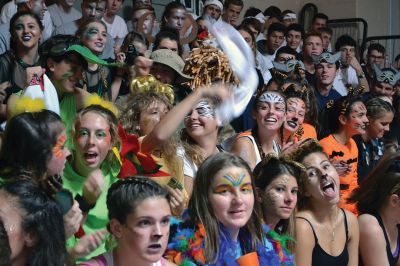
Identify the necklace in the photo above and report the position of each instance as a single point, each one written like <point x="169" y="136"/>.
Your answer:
<point x="332" y="231"/>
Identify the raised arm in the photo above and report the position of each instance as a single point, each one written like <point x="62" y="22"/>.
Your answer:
<point x="171" y="121"/>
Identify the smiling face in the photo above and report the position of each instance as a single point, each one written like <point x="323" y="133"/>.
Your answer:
<point x="12" y="216"/>
<point x="201" y="121"/>
<point x="231" y="197"/>
<point x="270" y="112"/>
<point x="357" y="121"/>
<point x="66" y="74"/>
<point x="280" y="197"/>
<point x="26" y="32"/>
<point x="92" y="141"/>
<point x="95" y="37"/>
<point x="59" y="157"/>
<point x="176" y="19"/>
<point x="322" y="183"/>
<point x="295" y="114"/>
<point x="293" y="39"/>
<point x="146" y="230"/>
<point x="150" y="117"/>
<point x="379" y="126"/>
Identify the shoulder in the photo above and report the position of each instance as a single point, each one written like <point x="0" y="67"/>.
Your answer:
<point x="369" y="225"/>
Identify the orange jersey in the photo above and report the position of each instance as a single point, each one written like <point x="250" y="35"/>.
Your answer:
<point x="348" y="153"/>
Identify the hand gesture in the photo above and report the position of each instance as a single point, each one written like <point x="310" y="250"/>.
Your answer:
<point x="93" y="186"/>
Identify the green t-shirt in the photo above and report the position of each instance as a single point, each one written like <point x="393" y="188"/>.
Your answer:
<point x="68" y="113"/>
<point x="97" y="218"/>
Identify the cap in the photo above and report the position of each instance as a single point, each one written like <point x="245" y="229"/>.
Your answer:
<point x="171" y="59"/>
<point x="213" y="2"/>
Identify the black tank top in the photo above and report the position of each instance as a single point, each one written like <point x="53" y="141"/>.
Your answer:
<point x="393" y="258"/>
<point x="320" y="257"/>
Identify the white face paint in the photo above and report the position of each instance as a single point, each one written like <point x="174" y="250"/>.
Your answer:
<point x="271" y="97"/>
<point x="204" y="109"/>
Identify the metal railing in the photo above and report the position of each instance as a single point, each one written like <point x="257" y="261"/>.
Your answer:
<point x="390" y="42"/>
<point x="357" y="28"/>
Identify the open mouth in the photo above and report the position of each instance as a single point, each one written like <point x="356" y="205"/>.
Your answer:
<point x="271" y="120"/>
<point x="291" y="124"/>
<point x="99" y="44"/>
<point x="26" y="38"/>
<point x="329" y="190"/>
<point x="90" y="157"/>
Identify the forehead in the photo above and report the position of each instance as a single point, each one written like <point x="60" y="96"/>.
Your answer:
<point x="245" y="34"/>
<point x="140" y="12"/>
<point x="94" y="3"/>
<point x="168" y="42"/>
<point x="313" y="39"/>
<point x="286" y="55"/>
<point x="26" y="19"/>
<point x="347" y="47"/>
<point x="212" y="6"/>
<point x="96" y="25"/>
<point x="236" y="8"/>
<point x="232" y="173"/>
<point x="358" y="107"/>
<point x="178" y="12"/>
<point x="376" y="52"/>
<point x="93" y="118"/>
<point x="320" y="21"/>
<point x="294" y="32"/>
<point x="314" y="159"/>
<point x="296" y="101"/>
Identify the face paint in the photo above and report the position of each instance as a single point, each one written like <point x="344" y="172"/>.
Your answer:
<point x="204" y="109"/>
<point x="235" y="180"/>
<point x="58" y="148"/>
<point x="271" y="97"/>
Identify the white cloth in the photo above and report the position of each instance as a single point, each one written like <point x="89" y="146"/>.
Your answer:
<point x="118" y="29"/>
<point x="263" y="66"/>
<point x="48" y="26"/>
<point x="8" y="11"/>
<point x="345" y="76"/>
<point x="60" y="17"/>
<point x="189" y="167"/>
<point x="49" y="94"/>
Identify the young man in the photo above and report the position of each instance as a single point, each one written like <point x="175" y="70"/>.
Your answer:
<point x="116" y="26"/>
<point x="319" y="21"/>
<point x="375" y="55"/>
<point x="294" y="36"/>
<point x="284" y="54"/>
<point x="63" y="12"/>
<point x="275" y="37"/>
<point x="312" y="47"/>
<point x="351" y="73"/>
<point x="148" y="22"/>
<point x="90" y="9"/>
<point x="326" y="67"/>
<point x="232" y="9"/>
<point x="288" y="17"/>
<point x="212" y="9"/>
<point x="326" y="34"/>
<point x="384" y="82"/>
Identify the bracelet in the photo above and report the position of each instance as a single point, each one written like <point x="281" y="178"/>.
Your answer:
<point x="83" y="205"/>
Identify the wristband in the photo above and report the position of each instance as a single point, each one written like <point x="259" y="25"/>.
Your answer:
<point x="83" y="205"/>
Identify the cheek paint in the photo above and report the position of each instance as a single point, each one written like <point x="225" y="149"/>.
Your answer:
<point x="91" y="33"/>
<point x="58" y="148"/>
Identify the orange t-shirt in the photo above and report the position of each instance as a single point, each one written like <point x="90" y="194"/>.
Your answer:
<point x="309" y="131"/>
<point x="349" y="153"/>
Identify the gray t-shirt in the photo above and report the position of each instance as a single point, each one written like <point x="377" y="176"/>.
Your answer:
<point x="60" y="17"/>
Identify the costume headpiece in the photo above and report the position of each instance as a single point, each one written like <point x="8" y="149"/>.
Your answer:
<point x="306" y="147"/>
<point x="386" y="76"/>
<point x="208" y="64"/>
<point x="326" y="57"/>
<point x="27" y="105"/>
<point x="352" y="93"/>
<point x="296" y="91"/>
<point x="151" y="84"/>
<point x="95" y="99"/>
<point x="288" y="66"/>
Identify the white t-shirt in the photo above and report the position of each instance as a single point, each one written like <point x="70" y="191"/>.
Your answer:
<point x="8" y="11"/>
<point x="59" y="17"/>
<point x="189" y="167"/>
<point x="118" y="29"/>
<point x="345" y="76"/>
<point x="263" y="66"/>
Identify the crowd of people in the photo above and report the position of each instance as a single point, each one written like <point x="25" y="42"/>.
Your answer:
<point x="194" y="140"/>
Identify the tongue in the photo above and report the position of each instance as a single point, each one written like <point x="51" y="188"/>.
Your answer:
<point x="329" y="192"/>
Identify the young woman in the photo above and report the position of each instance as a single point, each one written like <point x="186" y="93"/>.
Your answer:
<point x="34" y="147"/>
<point x="269" y="111"/>
<point x="277" y="184"/>
<point x="93" y="34"/>
<point x="33" y="223"/>
<point x="20" y="63"/>
<point x="93" y="166"/>
<point x="378" y="202"/>
<point x="199" y="137"/>
<point x="223" y="219"/>
<point x="325" y="234"/>
<point x="347" y="117"/>
<point x="139" y="213"/>
<point x="370" y="144"/>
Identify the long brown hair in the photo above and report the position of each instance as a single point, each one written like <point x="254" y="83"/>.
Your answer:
<point x="383" y="181"/>
<point x="200" y="209"/>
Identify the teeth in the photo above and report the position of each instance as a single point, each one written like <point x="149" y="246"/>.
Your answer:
<point x="292" y="124"/>
<point x="26" y="38"/>
<point x="273" y="120"/>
